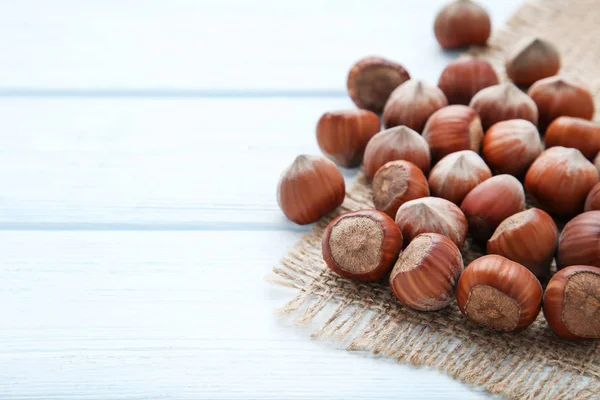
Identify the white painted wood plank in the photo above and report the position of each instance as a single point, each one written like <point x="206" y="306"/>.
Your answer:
<point x="144" y="315"/>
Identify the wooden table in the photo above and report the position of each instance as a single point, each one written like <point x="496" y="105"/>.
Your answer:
<point x="140" y="147"/>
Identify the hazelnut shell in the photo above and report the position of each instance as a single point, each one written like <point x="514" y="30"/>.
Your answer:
<point x="503" y="102"/>
<point x="579" y="241"/>
<point x="577" y="133"/>
<point x="463" y="78"/>
<point x="532" y="59"/>
<point x="462" y="23"/>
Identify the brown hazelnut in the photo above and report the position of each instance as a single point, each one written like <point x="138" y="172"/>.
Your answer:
<point x="498" y="293"/>
<point x="431" y="215"/>
<point x="462" y="23"/>
<point x="398" y="143"/>
<point x="463" y="78"/>
<point x="396" y="183"/>
<point x="451" y="129"/>
<point x="597" y="162"/>
<point x="572" y="303"/>
<point x="426" y="272"/>
<point x="490" y="203"/>
<point x="412" y="103"/>
<point x="371" y="80"/>
<point x="577" y="133"/>
<point x="503" y="102"/>
<point x="310" y="188"/>
<point x="560" y="180"/>
<point x="529" y="238"/>
<point x="557" y="96"/>
<point x="509" y="147"/>
<point x="592" y="202"/>
<point x="532" y="59"/>
<point x="457" y="174"/>
<point x="579" y="241"/>
<point x="361" y="245"/>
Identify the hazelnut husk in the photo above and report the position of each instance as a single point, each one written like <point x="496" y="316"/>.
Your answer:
<point x="503" y="102"/>
<point x="361" y="245"/>
<point x="463" y="78"/>
<point x="532" y="59"/>
<point x="579" y="241"/>
<point x="462" y="23"/>
<point x="592" y="201"/>
<point x="577" y="133"/>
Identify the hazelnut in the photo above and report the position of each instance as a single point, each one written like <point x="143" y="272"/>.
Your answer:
<point x="577" y="133"/>
<point x="579" y="242"/>
<point x="532" y="59"/>
<point x="457" y="174"/>
<point x="597" y="162"/>
<point x="398" y="143"/>
<point x="503" y="102"/>
<point x="491" y="202"/>
<point x="361" y="245"/>
<point x="310" y="188"/>
<point x="426" y="272"/>
<point x="509" y="147"/>
<point x="529" y="238"/>
<point x="451" y="129"/>
<point x="557" y="96"/>
<point x="592" y="202"/>
<point x="560" y="179"/>
<point x="396" y="183"/>
<point x="463" y="78"/>
<point x="498" y="293"/>
<point x="412" y="103"/>
<point x="431" y="215"/>
<point x="371" y="80"/>
<point x="572" y="303"/>
<point x="462" y="23"/>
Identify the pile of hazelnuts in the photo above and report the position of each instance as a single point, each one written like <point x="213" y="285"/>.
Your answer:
<point x="482" y="138"/>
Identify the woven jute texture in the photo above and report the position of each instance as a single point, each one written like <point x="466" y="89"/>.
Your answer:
<point x="532" y="364"/>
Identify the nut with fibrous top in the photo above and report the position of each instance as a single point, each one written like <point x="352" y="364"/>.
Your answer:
<point x="532" y="59"/>
<point x="462" y="23"/>
<point x="463" y="78"/>
<point x="361" y="245"/>
<point x="396" y="183"/>
<point x="498" y="293"/>
<point x="426" y="272"/>
<point x="572" y="303"/>
<point x="310" y="188"/>
<point x="451" y="129"/>
<point x="412" y="103"/>
<point x="557" y="96"/>
<point x="592" y="202"/>
<point x="529" y="238"/>
<point x="490" y="203"/>
<point x="457" y="174"/>
<point x="398" y="143"/>
<point x="431" y="215"/>
<point x="371" y="80"/>
<point x="503" y="102"/>
<point x="577" y="133"/>
<point x="509" y="147"/>
<point x="560" y="180"/>
<point x="579" y="241"/>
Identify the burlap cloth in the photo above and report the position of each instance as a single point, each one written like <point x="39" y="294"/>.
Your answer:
<point x="533" y="364"/>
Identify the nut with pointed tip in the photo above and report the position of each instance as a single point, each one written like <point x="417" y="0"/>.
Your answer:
<point x="592" y="202"/>
<point x="462" y="23"/>
<point x="457" y="174"/>
<point x="463" y="78"/>
<point x="579" y="241"/>
<point x="532" y="59"/>
<point x="310" y="188"/>
<point x="557" y="96"/>
<point x="396" y="183"/>
<point x="426" y="272"/>
<point x="572" y="303"/>
<point x="451" y="129"/>
<point x="503" y="102"/>
<point x="560" y="180"/>
<point x="361" y="245"/>
<point x="509" y="147"/>
<point x="529" y="238"/>
<point x="371" y="80"/>
<point x="398" y="143"/>
<point x="490" y="203"/>
<point x="431" y="215"/>
<point x="412" y="103"/>
<point x="498" y="293"/>
<point x="577" y="133"/>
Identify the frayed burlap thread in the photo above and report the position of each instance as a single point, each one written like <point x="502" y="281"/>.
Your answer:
<point x="533" y="364"/>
